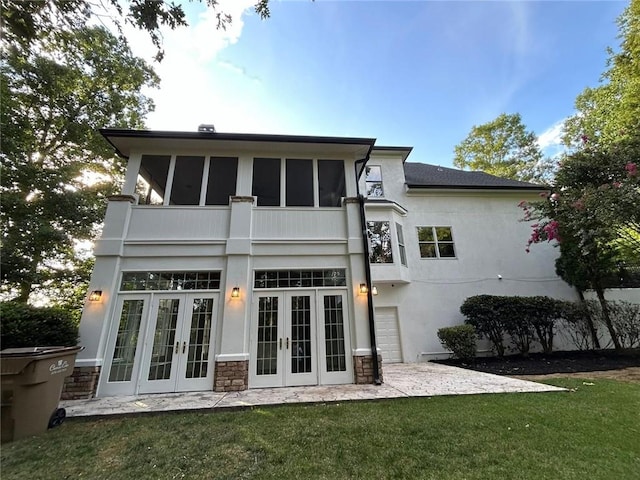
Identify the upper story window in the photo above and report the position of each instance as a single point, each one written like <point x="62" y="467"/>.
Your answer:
<point x="152" y="179"/>
<point x="373" y="181"/>
<point x="298" y="182"/>
<point x="436" y="242"/>
<point x="403" y="252"/>
<point x="379" y="242"/>
<point x="188" y="180"/>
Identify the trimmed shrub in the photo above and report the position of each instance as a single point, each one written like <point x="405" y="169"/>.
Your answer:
<point x="461" y="340"/>
<point x="578" y="323"/>
<point x="525" y="319"/>
<point x="26" y="326"/>
<point x="482" y="312"/>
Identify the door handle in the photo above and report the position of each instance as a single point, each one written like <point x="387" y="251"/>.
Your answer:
<point x="281" y="344"/>
<point x="184" y="346"/>
<point x="177" y="347"/>
<point x="287" y="343"/>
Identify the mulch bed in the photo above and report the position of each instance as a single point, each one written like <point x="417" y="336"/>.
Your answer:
<point x="556" y="362"/>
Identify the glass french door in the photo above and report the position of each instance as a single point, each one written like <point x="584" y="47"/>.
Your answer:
<point x="284" y="347"/>
<point x="178" y="354"/>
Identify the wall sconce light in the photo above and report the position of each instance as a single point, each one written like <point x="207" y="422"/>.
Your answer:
<point x="363" y="289"/>
<point x="95" y="296"/>
<point x="235" y="292"/>
<point x="374" y="290"/>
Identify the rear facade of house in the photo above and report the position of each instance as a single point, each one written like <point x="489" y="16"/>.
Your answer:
<point x="233" y="261"/>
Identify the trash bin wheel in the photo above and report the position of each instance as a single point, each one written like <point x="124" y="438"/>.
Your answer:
<point x="57" y="417"/>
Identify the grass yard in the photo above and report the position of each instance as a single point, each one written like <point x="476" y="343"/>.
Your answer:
<point x="591" y="432"/>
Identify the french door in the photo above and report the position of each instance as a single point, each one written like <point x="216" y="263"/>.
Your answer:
<point x="299" y="338"/>
<point x="178" y="353"/>
<point x="284" y="340"/>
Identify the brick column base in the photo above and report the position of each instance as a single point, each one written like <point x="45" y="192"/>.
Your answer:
<point x="363" y="368"/>
<point x="81" y="384"/>
<point x="231" y="376"/>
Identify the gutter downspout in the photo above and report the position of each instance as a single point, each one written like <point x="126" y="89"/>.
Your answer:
<point x="367" y="271"/>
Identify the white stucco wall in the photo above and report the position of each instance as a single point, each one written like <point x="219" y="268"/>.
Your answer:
<point x="489" y="240"/>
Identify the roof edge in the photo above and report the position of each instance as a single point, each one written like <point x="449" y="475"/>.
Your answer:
<point x="247" y="137"/>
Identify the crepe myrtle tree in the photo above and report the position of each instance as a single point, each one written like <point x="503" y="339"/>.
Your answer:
<point x="592" y="212"/>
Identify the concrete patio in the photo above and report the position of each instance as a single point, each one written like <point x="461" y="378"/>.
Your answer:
<point x="400" y="381"/>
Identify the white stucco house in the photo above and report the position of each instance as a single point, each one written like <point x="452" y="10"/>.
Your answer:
<point x="235" y="261"/>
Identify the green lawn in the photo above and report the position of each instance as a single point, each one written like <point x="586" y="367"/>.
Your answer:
<point x="592" y="432"/>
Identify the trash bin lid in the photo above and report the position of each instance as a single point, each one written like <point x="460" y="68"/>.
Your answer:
<point x="34" y="351"/>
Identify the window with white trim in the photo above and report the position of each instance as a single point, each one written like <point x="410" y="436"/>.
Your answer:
<point x="373" y="181"/>
<point x="436" y="242"/>
<point x="379" y="242"/>
<point x="403" y="252"/>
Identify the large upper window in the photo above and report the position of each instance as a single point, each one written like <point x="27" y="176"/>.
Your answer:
<point x="299" y="175"/>
<point x="266" y="181"/>
<point x="305" y="182"/>
<point x="373" y="180"/>
<point x="222" y="180"/>
<point x="187" y="181"/>
<point x="152" y="179"/>
<point x="436" y="242"/>
<point x="379" y="242"/>
<point x="331" y="183"/>
<point x="184" y="176"/>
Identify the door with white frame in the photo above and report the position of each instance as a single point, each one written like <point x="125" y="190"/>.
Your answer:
<point x="178" y="353"/>
<point x="299" y="338"/>
<point x="283" y="343"/>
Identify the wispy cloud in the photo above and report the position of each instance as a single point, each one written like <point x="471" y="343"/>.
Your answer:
<point x="238" y="70"/>
<point x="550" y="141"/>
<point x="190" y="92"/>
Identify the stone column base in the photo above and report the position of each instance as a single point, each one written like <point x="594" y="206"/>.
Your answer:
<point x="231" y="376"/>
<point x="363" y="369"/>
<point x="81" y="384"/>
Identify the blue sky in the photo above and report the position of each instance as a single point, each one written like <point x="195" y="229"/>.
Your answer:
<point x="418" y="73"/>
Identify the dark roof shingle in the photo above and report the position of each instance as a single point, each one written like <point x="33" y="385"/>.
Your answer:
<point x="422" y="175"/>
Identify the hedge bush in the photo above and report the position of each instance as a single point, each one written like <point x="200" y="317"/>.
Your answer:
<point x="461" y="340"/>
<point x="482" y="312"/>
<point x="27" y="326"/>
<point x="525" y="320"/>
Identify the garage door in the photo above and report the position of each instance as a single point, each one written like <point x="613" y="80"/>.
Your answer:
<point x="388" y="335"/>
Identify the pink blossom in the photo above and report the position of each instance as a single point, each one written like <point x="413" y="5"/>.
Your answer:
<point x="578" y="205"/>
<point x="584" y="138"/>
<point x="551" y="229"/>
<point x="522" y="203"/>
<point x="632" y="169"/>
<point x="544" y="194"/>
<point x="555" y="197"/>
<point x="617" y="184"/>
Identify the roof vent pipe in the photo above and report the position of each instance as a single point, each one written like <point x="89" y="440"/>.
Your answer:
<point x="206" y="128"/>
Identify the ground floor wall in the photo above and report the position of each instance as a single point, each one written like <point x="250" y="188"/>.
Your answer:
<point x="121" y="360"/>
<point x="424" y="307"/>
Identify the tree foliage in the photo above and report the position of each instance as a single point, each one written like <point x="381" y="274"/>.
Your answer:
<point x="56" y="168"/>
<point x="596" y="200"/>
<point x="610" y="112"/>
<point x="25" y="21"/>
<point x="504" y="147"/>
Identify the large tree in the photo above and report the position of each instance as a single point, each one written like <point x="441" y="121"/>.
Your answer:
<point x="25" y="21"/>
<point x="504" y="147"/>
<point x="610" y="112"/>
<point x="595" y="202"/>
<point x="56" y="168"/>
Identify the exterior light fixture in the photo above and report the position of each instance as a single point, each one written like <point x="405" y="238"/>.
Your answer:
<point x="363" y="289"/>
<point x="95" y="296"/>
<point x="374" y="290"/>
<point x="235" y="292"/>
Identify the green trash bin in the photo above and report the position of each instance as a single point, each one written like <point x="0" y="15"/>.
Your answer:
<point x="31" y="382"/>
